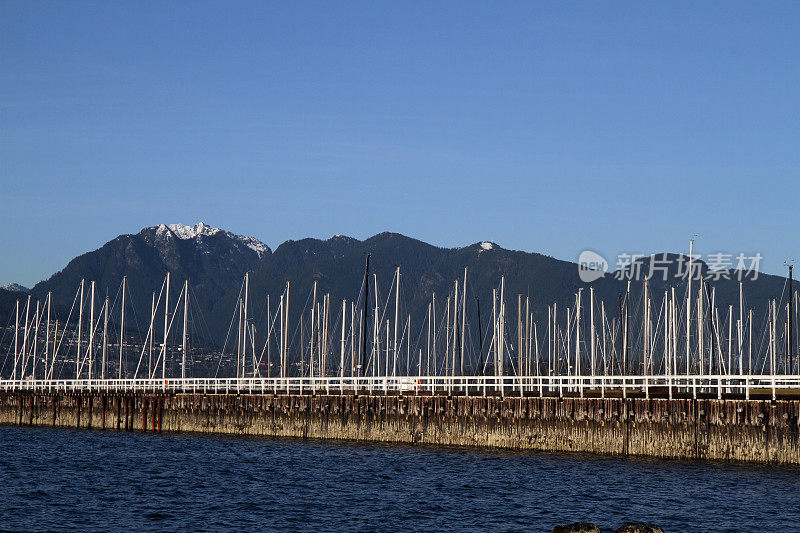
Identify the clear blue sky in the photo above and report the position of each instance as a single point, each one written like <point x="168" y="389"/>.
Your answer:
<point x="543" y="126"/>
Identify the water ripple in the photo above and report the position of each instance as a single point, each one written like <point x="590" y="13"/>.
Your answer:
<point x="92" y="480"/>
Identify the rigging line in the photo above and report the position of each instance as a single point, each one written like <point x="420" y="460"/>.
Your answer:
<point x="421" y="333"/>
<point x="90" y="344"/>
<point x="5" y="330"/>
<point x="655" y="336"/>
<point x="400" y="343"/>
<point x="383" y="315"/>
<point x="291" y="340"/>
<point x="8" y="354"/>
<point x="330" y="346"/>
<point x="269" y="334"/>
<point x="198" y="316"/>
<point x="63" y="332"/>
<point x="132" y="305"/>
<point x="765" y="327"/>
<point x="440" y="333"/>
<point x="10" y="344"/>
<point x="151" y="329"/>
<point x="230" y="329"/>
<point x="169" y="328"/>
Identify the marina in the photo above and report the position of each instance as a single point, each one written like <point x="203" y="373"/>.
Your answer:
<point x="645" y="383"/>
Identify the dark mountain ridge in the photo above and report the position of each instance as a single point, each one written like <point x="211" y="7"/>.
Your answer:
<point x="215" y="262"/>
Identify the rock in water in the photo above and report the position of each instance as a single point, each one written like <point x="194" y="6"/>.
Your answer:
<point x="639" y="528"/>
<point x="577" y="527"/>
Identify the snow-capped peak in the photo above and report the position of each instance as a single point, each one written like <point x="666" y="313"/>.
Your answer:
<point x="486" y="245"/>
<point x="15" y="287"/>
<point x="199" y="230"/>
<point x="183" y="231"/>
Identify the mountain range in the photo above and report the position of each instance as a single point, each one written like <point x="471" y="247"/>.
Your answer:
<point x="15" y="287"/>
<point x="215" y="261"/>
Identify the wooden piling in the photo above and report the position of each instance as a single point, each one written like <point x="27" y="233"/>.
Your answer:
<point x="704" y="428"/>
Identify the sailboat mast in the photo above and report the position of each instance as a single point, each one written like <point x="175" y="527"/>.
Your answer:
<point x="494" y="332"/>
<point x="353" y="347"/>
<point x="591" y="328"/>
<point x="80" y="331"/>
<point x="502" y="322"/>
<point x="700" y="328"/>
<point x="282" y="334"/>
<point x="344" y="321"/>
<point x="396" y="318"/>
<point x="433" y="326"/>
<point x="313" y="323"/>
<point x="35" y="341"/>
<point x="463" y="320"/>
<point x="166" y="329"/>
<point x="428" y="343"/>
<point x="91" y="330"/>
<point x="689" y="307"/>
<point x="740" y="330"/>
<point x="528" y="326"/>
<point x="750" y="342"/>
<point x="447" y="336"/>
<point x="519" y="334"/>
<point x="627" y="326"/>
<point x="286" y="323"/>
<point x="646" y="366"/>
<point x="376" y="340"/>
<point x="789" y="331"/>
<point x="152" y="335"/>
<point x="47" y="337"/>
<point x="16" y="341"/>
<point x="325" y="334"/>
<point x="122" y="327"/>
<point x="364" y="319"/>
<point x="24" y="363"/>
<point x="55" y="349"/>
<point x="185" y="324"/>
<point x="603" y="334"/>
<point x="730" y="339"/>
<point x="480" y="332"/>
<point x="578" y="334"/>
<point x="455" y="330"/>
<point x="105" y="340"/>
<point x="244" y="322"/>
<point x="269" y="337"/>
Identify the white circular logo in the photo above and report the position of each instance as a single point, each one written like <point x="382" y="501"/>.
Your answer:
<point x="591" y="266"/>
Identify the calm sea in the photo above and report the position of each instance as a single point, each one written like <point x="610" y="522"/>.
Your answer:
<point x="57" y="479"/>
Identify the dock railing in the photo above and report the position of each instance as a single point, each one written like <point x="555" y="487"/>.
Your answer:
<point x="675" y="386"/>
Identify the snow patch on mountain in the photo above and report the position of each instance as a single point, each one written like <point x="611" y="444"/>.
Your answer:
<point x="200" y="230"/>
<point x="16" y="287"/>
<point x="183" y="231"/>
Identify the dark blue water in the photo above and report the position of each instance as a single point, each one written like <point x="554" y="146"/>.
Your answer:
<point x="56" y="479"/>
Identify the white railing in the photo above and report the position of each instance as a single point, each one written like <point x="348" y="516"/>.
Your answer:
<point x="583" y="386"/>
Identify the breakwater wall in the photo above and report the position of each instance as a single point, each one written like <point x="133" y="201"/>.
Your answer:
<point x="732" y="430"/>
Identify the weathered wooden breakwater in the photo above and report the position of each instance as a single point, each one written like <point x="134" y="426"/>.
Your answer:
<point x="728" y="429"/>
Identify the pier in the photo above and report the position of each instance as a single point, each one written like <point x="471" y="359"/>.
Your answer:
<point x="711" y="418"/>
<point x="676" y="380"/>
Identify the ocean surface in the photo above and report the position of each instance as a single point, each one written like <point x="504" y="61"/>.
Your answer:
<point x="59" y="479"/>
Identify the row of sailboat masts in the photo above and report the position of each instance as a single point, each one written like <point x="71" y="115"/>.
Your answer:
<point x="712" y="343"/>
<point x="709" y="349"/>
<point x="33" y="360"/>
<point x="385" y="352"/>
<point x="607" y="351"/>
<point x="246" y="343"/>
